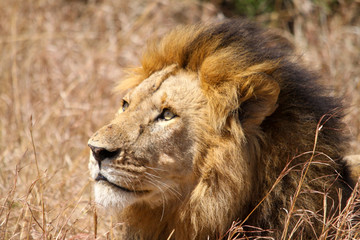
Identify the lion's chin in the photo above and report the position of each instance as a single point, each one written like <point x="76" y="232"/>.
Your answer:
<point x="110" y="197"/>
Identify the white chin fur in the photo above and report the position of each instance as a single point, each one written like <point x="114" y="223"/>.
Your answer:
<point x="108" y="197"/>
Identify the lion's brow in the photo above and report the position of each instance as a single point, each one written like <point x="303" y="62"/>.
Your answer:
<point x="157" y="82"/>
<point x="172" y="71"/>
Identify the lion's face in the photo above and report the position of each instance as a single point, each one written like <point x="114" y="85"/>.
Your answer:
<point x="146" y="153"/>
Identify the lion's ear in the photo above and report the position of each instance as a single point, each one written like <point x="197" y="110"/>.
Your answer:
<point x="258" y="95"/>
<point x="252" y="92"/>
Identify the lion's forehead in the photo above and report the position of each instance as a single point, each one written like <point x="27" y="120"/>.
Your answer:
<point x="168" y="86"/>
<point x="151" y="84"/>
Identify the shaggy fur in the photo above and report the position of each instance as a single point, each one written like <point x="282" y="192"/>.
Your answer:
<point x="265" y="113"/>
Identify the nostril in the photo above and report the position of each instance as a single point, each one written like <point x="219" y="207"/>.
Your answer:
<point x="108" y="154"/>
<point x="101" y="153"/>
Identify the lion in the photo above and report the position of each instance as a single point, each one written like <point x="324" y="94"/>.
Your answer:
<point x="222" y="123"/>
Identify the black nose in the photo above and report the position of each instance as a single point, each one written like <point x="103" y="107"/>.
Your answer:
<point x="101" y="153"/>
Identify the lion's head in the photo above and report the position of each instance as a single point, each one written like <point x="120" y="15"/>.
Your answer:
<point x="146" y="154"/>
<point x="205" y="127"/>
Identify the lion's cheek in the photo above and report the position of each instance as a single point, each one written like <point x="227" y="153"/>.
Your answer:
<point x="166" y="160"/>
<point x="175" y="163"/>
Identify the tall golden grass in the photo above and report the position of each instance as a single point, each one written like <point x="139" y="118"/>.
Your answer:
<point x="59" y="61"/>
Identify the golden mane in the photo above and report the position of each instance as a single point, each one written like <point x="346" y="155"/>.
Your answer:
<point x="265" y="110"/>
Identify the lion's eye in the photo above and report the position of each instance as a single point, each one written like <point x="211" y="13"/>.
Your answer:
<point x="167" y="115"/>
<point x="125" y="105"/>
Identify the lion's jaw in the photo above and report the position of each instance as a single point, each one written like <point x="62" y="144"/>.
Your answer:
<point x="150" y="159"/>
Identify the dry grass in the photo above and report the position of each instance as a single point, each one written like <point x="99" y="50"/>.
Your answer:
<point x="59" y="61"/>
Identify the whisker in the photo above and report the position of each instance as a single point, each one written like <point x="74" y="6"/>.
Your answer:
<point x="156" y="169"/>
<point x="163" y="196"/>
<point x="176" y="193"/>
<point x="152" y="175"/>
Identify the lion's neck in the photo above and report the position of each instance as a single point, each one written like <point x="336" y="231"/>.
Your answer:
<point x="145" y="222"/>
<point x="176" y="221"/>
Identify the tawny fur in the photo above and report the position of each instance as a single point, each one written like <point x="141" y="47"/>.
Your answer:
<point x="260" y="111"/>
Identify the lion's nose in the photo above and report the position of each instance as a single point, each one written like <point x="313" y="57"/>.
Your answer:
<point x="101" y="153"/>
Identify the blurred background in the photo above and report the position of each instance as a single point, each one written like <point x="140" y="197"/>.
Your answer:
<point x="60" y="60"/>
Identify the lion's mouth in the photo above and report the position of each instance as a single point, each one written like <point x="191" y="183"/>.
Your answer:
<point x="101" y="177"/>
